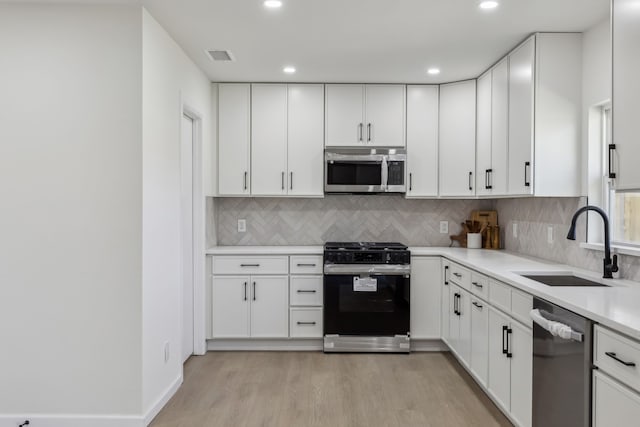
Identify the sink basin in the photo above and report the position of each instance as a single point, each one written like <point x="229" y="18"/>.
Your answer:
<point x="562" y="280"/>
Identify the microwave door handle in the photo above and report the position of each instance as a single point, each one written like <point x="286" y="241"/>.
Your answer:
<point x="385" y="173"/>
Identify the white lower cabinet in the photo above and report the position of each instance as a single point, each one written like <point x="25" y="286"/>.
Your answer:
<point x="425" y="297"/>
<point x="460" y="322"/>
<point x="305" y="322"/>
<point x="479" y="339"/>
<point x="613" y="403"/>
<point x="250" y="306"/>
<point x="510" y="366"/>
<point x="445" y="303"/>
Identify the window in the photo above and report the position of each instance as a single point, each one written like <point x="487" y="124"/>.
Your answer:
<point x="623" y="208"/>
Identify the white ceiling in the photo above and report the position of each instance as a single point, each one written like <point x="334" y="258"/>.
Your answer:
<point x="361" y="40"/>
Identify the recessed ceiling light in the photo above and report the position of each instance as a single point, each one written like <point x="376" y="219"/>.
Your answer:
<point x="433" y="71"/>
<point x="273" y="4"/>
<point x="289" y="70"/>
<point x="488" y="4"/>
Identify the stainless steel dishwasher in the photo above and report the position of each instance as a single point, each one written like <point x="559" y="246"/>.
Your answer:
<point x="562" y="355"/>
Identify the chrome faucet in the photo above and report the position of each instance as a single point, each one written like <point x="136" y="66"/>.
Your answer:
<point x="610" y="266"/>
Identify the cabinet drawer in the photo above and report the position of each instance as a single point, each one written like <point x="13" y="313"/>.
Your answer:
<point x="613" y="353"/>
<point x="306" y="290"/>
<point x="460" y="276"/>
<point x="305" y="264"/>
<point x="480" y="285"/>
<point x="500" y="295"/>
<point x="521" y="306"/>
<point x="250" y="265"/>
<point x="305" y="323"/>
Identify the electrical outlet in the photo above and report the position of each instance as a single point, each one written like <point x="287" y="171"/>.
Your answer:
<point x="515" y="230"/>
<point x="444" y="227"/>
<point x="550" y="234"/>
<point x="167" y="352"/>
<point x="242" y="225"/>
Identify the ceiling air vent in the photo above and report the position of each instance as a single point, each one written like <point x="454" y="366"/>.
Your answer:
<point x="220" y="55"/>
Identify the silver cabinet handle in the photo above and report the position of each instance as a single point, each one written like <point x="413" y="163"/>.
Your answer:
<point x="368" y="132"/>
<point x="477" y="285"/>
<point x="254" y="291"/>
<point x="305" y="291"/>
<point x="306" y="323"/>
<point x="245" y="180"/>
<point x="245" y="291"/>
<point x="306" y="265"/>
<point x="360" y="126"/>
<point x="290" y="180"/>
<point x="282" y="180"/>
<point x="249" y="265"/>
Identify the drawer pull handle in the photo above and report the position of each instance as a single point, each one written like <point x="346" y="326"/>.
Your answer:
<point x="614" y="357"/>
<point x="306" y="265"/>
<point x="306" y="323"/>
<point x="477" y="305"/>
<point x="304" y="291"/>
<point x="249" y="265"/>
<point x="477" y="285"/>
<point x="458" y="275"/>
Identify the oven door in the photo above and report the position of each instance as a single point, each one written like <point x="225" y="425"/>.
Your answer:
<point x="366" y="302"/>
<point x="357" y="173"/>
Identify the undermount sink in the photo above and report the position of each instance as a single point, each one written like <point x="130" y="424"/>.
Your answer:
<point x="562" y="280"/>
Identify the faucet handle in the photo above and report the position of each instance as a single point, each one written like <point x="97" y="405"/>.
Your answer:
<point x="614" y="264"/>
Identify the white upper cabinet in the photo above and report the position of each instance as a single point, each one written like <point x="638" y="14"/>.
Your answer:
<point x="545" y="97"/>
<point x="234" y="126"/>
<point x="521" y="63"/>
<point x="385" y="115"/>
<point x="497" y="177"/>
<point x="457" y="139"/>
<point x="268" y="139"/>
<point x="365" y="115"/>
<point x="626" y="94"/>
<point x="483" y="135"/>
<point x="306" y="143"/>
<point x="422" y="141"/>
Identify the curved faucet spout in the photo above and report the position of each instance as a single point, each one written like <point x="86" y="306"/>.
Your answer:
<point x="609" y="265"/>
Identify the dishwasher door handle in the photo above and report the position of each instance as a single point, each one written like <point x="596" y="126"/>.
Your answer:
<point x="556" y="329"/>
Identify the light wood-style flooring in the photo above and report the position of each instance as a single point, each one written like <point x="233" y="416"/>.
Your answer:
<point x="316" y="389"/>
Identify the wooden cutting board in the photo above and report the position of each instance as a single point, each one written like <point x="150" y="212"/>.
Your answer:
<point x="485" y="217"/>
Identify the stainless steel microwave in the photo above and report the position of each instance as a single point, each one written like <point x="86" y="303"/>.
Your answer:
<point x="364" y="170"/>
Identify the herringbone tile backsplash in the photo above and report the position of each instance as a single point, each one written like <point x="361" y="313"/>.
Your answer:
<point x="274" y="221"/>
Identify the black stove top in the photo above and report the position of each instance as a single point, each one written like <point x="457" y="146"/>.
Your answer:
<point x="365" y="246"/>
<point x="366" y="253"/>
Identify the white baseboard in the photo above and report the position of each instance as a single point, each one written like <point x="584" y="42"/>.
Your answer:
<point x="68" y="420"/>
<point x="244" y="344"/>
<point x="428" y="345"/>
<point x="162" y="400"/>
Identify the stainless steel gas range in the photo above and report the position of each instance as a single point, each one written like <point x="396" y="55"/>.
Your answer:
<point x="366" y="297"/>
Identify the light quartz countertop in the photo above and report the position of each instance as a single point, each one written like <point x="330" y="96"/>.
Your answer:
<point x="617" y="306"/>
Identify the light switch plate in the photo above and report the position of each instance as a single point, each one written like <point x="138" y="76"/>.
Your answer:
<point x="242" y="225"/>
<point x="550" y="235"/>
<point x="444" y="227"/>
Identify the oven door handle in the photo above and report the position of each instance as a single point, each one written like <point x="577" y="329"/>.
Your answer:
<point x="384" y="179"/>
<point x="381" y="269"/>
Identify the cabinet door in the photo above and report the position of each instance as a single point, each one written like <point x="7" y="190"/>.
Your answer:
<point x="384" y="114"/>
<point x="499" y="128"/>
<point x="483" y="135"/>
<point x="422" y="141"/>
<point x="499" y="380"/>
<point x="425" y="297"/>
<point x="305" y="140"/>
<point x="521" y="78"/>
<point x="464" y="307"/>
<point x="269" y="306"/>
<point x="230" y="307"/>
<point x="613" y="403"/>
<point x="457" y="145"/>
<point x="344" y="115"/>
<point x="268" y="139"/>
<point x="521" y="348"/>
<point x="446" y="306"/>
<point x="480" y="339"/>
<point x="234" y="124"/>
<point x="454" y="319"/>
<point x="626" y="93"/>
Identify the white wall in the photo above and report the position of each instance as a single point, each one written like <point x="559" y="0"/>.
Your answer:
<point x="70" y="228"/>
<point x="170" y="79"/>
